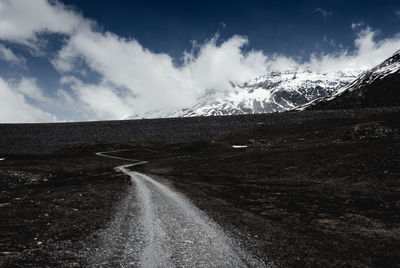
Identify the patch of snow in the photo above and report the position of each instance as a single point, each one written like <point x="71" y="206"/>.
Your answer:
<point x="239" y="146"/>
<point x="388" y="67"/>
<point x="1" y="159"/>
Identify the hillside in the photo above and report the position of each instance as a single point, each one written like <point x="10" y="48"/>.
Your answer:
<point x="378" y="87"/>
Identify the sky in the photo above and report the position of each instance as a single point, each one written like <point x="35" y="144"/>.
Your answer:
<point x="76" y="60"/>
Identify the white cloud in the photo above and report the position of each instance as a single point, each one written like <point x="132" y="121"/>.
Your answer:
<point x="214" y="66"/>
<point x="98" y="100"/>
<point x="6" y="54"/>
<point x="145" y="81"/>
<point x="29" y="88"/>
<point x="323" y="12"/>
<point x="15" y="107"/>
<point x="368" y="53"/>
<point x="22" y="20"/>
<point x="357" y="25"/>
<point x="138" y="80"/>
<point x="135" y="80"/>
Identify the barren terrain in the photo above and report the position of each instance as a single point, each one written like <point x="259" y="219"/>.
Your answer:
<point x="321" y="191"/>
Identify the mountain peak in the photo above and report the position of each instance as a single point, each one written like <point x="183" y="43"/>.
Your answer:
<point x="392" y="61"/>
<point x="376" y="87"/>
<point x="274" y="92"/>
<point x="297" y="89"/>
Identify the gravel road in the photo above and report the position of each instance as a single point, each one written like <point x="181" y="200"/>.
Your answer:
<point x="156" y="226"/>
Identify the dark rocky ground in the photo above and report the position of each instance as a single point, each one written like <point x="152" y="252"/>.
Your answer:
<point x="52" y="137"/>
<point x="323" y="192"/>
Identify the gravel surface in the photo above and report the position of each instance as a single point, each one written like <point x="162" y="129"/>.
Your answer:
<point x="157" y="227"/>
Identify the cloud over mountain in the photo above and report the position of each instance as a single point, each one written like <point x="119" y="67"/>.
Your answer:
<point x="129" y="78"/>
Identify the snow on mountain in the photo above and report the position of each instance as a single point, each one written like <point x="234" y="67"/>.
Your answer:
<point x="299" y="90"/>
<point x="274" y="92"/>
<point x="379" y="86"/>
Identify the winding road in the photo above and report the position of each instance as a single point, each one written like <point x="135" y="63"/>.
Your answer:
<point x="156" y="226"/>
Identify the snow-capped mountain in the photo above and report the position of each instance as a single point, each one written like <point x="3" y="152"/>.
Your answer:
<point x="300" y="90"/>
<point x="274" y="92"/>
<point x="377" y="87"/>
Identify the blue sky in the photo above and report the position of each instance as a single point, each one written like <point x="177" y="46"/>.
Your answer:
<point x="94" y="60"/>
<point x="294" y="28"/>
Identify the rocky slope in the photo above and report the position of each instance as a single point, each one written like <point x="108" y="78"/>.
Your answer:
<point x="378" y="87"/>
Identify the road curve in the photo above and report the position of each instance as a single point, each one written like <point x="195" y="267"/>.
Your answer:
<point x="156" y="226"/>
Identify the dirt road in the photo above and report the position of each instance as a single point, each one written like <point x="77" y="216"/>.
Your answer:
<point x="156" y="226"/>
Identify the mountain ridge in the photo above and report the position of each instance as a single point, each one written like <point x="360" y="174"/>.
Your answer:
<point x="377" y="87"/>
<point x="273" y="92"/>
<point x="298" y="89"/>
